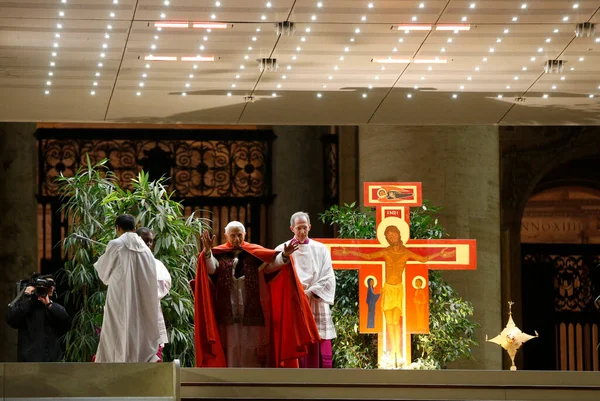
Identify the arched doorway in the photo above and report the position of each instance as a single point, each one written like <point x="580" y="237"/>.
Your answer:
<point x="560" y="258"/>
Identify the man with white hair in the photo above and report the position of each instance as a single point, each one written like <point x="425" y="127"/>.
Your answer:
<point x="250" y="308"/>
<point x="312" y="262"/>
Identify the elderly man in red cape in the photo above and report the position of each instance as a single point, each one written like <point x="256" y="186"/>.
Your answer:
<point x="250" y="308"/>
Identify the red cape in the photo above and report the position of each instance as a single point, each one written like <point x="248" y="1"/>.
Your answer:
<point x="287" y="312"/>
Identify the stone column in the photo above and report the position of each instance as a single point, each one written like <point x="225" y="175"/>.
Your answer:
<point x="18" y="225"/>
<point x="459" y="169"/>
<point x="298" y="172"/>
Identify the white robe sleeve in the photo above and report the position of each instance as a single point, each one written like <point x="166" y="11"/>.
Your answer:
<point x="324" y="287"/>
<point x="163" y="279"/>
<point x="107" y="264"/>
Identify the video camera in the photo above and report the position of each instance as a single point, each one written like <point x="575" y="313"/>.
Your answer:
<point x="42" y="284"/>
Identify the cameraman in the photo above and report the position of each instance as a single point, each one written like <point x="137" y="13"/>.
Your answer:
<point x="40" y="321"/>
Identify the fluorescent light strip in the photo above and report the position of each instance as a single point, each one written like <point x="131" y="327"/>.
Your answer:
<point x="390" y="60"/>
<point x="198" y="58"/>
<point x="160" y="58"/>
<point x="433" y="61"/>
<point x="414" y="27"/>
<point x="172" y="24"/>
<point x="453" y="27"/>
<point x="209" y="25"/>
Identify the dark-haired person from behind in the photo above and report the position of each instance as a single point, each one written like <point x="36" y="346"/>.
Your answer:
<point x="130" y="330"/>
<point x="40" y="321"/>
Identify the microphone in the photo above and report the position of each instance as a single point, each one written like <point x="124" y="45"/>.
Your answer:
<point x="81" y="237"/>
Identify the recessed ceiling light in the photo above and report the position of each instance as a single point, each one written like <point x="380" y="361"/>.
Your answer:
<point x="319" y="4"/>
<point x="523" y="6"/>
<point x="303" y="39"/>
<point x="228" y="93"/>
<point x="61" y="13"/>
<point x="469" y="78"/>
<point x="572" y="69"/>
<point x="395" y="49"/>
<point x="341" y="58"/>
<point x="307" y="30"/>
<point x="422" y="5"/>
<point x="278" y="86"/>
<point x="401" y="40"/>
<point x="556" y="31"/>
<point x="454" y="96"/>
<point x="364" y="95"/>
<point x="269" y="4"/>
<point x="163" y="15"/>
<point x="93" y="93"/>
<point x="428" y="68"/>
<point x="485" y="59"/>
<point x="500" y="96"/>
<point x="371" y="5"/>
<point x="52" y="64"/>
<point x="233" y="85"/>
<point x="363" y="18"/>
<point x="351" y="39"/>
<point x="254" y="38"/>
<point x="576" y="5"/>
<point x="545" y="96"/>
<point x="138" y="93"/>
<point x="370" y="86"/>
<point x="201" y="47"/>
<point x="516" y="78"/>
<point x="195" y="67"/>
<point x="524" y="69"/>
<point x="46" y="92"/>
<point x="532" y="59"/>
<point x="294" y="57"/>
<point x="472" y="5"/>
<point x="183" y="94"/>
<point x="242" y="67"/>
<point x="144" y="75"/>
<point x="319" y="95"/>
<point x="507" y="86"/>
<point x="330" y="77"/>
<point x="274" y="94"/>
<point x="553" y="87"/>
<point x="263" y="17"/>
<point x="246" y="57"/>
<point x="289" y="67"/>
<point x="498" y="40"/>
<point x="414" y="18"/>
<point x="548" y="40"/>
<point x="166" y="3"/>
<point x="581" y="58"/>
<point x="565" y="18"/>
<point x="187" y="85"/>
<point x="409" y="95"/>
<point x="97" y="74"/>
<point x="59" y="26"/>
<point x="313" y="17"/>
<point x="141" y="84"/>
<point x="492" y="49"/>
<point x="57" y="35"/>
<point x="422" y="78"/>
<point x="562" y="78"/>
<point x="597" y="40"/>
<point x="476" y="68"/>
<point x="443" y="49"/>
<point x="515" y="19"/>
<point x="218" y="3"/>
<point x="298" y="48"/>
<point x="506" y="31"/>
<point x="591" y="96"/>
<point x="112" y="15"/>
<point x="540" y="49"/>
<point x="50" y="74"/>
<point x="283" y="77"/>
<point x="357" y="30"/>
<point x="336" y="68"/>
<point x="324" y="86"/>
<point x="416" y="87"/>
<point x="147" y="65"/>
<point x="102" y="55"/>
<point x="463" y="19"/>
<point x="257" y="29"/>
<point x="191" y="76"/>
<point x="462" y="87"/>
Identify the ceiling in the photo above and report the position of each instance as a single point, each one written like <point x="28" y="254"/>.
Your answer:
<point x="494" y="72"/>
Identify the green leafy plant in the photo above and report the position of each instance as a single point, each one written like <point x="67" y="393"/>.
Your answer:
<point x="92" y="200"/>
<point x="451" y="334"/>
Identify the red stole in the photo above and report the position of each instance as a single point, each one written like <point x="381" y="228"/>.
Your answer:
<point x="288" y="317"/>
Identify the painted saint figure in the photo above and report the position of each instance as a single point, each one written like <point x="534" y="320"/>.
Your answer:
<point x="372" y="299"/>
<point x="392" y="294"/>
<point x="420" y="299"/>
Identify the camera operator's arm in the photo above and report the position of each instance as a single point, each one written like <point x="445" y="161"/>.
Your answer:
<point x="17" y="312"/>
<point x="59" y="315"/>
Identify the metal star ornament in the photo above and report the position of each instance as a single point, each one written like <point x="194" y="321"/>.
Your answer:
<point x="511" y="338"/>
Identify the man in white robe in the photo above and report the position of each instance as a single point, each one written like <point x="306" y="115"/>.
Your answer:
<point x="130" y="330"/>
<point x="312" y="262"/>
<point x="164" y="285"/>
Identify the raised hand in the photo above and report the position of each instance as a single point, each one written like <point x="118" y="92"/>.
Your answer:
<point x="290" y="248"/>
<point x="207" y="241"/>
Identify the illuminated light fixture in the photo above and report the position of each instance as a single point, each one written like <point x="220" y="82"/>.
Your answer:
<point x="172" y="24"/>
<point x="209" y="25"/>
<point x="198" y="58"/>
<point x="545" y="96"/>
<point x="390" y="60"/>
<point x="430" y="61"/>
<point x="138" y="93"/>
<point x="160" y="58"/>
<point x="414" y="27"/>
<point x="453" y="27"/>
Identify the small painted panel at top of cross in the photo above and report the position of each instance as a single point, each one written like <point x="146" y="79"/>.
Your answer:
<point x="393" y="269"/>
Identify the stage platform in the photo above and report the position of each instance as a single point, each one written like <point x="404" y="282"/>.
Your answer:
<point x="167" y="382"/>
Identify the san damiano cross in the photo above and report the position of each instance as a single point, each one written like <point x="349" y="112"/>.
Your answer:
<point x="393" y="270"/>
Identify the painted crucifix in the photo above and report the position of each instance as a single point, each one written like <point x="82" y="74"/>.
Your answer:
<point x="393" y="269"/>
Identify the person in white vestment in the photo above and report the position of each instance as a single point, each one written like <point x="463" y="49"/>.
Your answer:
<point x="312" y="262"/>
<point x="130" y="330"/>
<point x="164" y="285"/>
